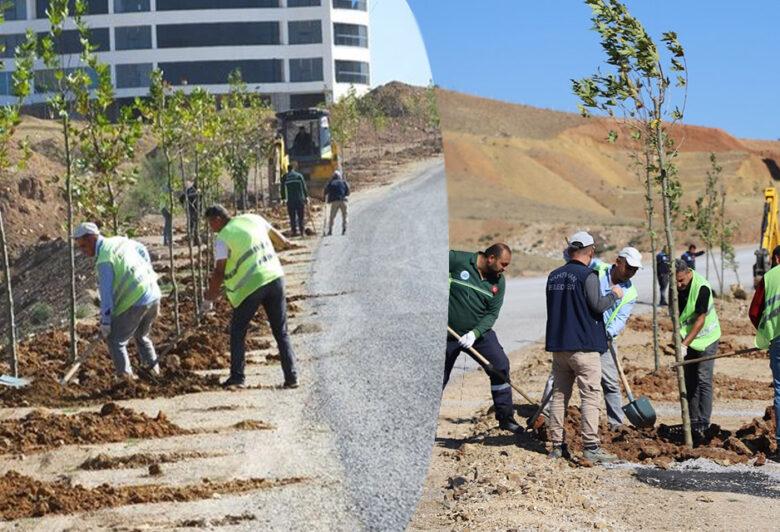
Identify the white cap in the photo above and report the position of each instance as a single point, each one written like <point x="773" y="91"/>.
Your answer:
<point x="632" y="256"/>
<point x="581" y="239"/>
<point x="86" y="228"/>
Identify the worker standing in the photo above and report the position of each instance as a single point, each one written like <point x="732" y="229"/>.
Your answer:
<point x="663" y="270"/>
<point x="627" y="263"/>
<point x="700" y="332"/>
<point x="576" y="337"/>
<point x="295" y="193"/>
<point x="129" y="295"/>
<point x="336" y="195"/>
<point x="765" y="316"/>
<point x="249" y="268"/>
<point x="477" y="287"/>
<point x="690" y="256"/>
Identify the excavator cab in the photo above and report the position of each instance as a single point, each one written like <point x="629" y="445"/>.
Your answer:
<point x="770" y="235"/>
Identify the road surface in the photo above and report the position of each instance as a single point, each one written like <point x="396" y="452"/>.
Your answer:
<point x="380" y="356"/>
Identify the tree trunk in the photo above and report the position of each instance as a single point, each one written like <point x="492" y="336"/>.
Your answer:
<point x="171" y="262"/>
<point x="14" y="362"/>
<point x="675" y="308"/>
<point x="74" y="348"/>
<point x="650" y="209"/>
<point x="190" y="236"/>
<point x="113" y="206"/>
<point x="197" y="231"/>
<point x="257" y="172"/>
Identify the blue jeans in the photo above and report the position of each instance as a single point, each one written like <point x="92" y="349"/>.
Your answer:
<point x="774" y="363"/>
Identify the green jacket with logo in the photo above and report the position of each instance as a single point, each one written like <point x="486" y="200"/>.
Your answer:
<point x="474" y="302"/>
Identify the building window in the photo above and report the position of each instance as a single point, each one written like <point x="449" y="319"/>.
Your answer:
<point x="10" y="42"/>
<point x="17" y="10"/>
<point x="352" y="72"/>
<point x="180" y="5"/>
<point x="303" y="3"/>
<point x="133" y="76"/>
<point x="217" y="72"/>
<point x="6" y="83"/>
<point x="46" y="80"/>
<point x="217" y="34"/>
<point x="360" y="5"/>
<point x="132" y="37"/>
<point x="350" y="35"/>
<point x="131" y="6"/>
<point x="69" y="41"/>
<point x="94" y="7"/>
<point x="305" y="101"/>
<point x="306" y="69"/>
<point x="304" y="31"/>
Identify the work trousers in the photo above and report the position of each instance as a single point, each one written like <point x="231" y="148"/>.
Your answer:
<point x="774" y="364"/>
<point x="489" y="347"/>
<point x="271" y="297"/>
<point x="610" y="386"/>
<point x="335" y="207"/>
<point x="663" y="287"/>
<point x="193" y="216"/>
<point x="585" y="369"/>
<point x="167" y="226"/>
<point x="295" y="209"/>
<point x="698" y="384"/>
<point x="135" y="322"/>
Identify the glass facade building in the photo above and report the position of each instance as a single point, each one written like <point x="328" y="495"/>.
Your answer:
<point x="296" y="52"/>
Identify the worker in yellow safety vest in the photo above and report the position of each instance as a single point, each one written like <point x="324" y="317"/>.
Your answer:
<point x="764" y="313"/>
<point x="129" y="295"/>
<point x="247" y="265"/>
<point x="700" y="332"/>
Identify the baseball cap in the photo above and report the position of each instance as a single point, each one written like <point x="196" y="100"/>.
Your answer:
<point x="632" y="256"/>
<point x="581" y="239"/>
<point x="84" y="229"/>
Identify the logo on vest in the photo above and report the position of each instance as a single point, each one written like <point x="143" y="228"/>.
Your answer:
<point x="494" y="289"/>
<point x="464" y="275"/>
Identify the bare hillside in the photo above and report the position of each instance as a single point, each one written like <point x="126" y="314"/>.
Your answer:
<point x="529" y="176"/>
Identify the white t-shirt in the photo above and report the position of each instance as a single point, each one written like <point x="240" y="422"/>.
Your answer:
<point x="221" y="250"/>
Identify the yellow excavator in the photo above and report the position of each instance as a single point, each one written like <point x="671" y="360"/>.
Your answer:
<point x="770" y="235"/>
<point x="303" y="135"/>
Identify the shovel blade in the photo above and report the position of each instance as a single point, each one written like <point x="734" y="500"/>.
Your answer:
<point x="640" y="412"/>
<point x="13" y="382"/>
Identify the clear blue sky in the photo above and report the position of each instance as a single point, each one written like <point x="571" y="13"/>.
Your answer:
<point x="527" y="51"/>
<point x="397" y="48"/>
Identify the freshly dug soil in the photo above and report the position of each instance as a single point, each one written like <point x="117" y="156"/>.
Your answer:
<point x="228" y="520"/>
<point x="104" y="461"/>
<point x="662" y="385"/>
<point x="252" y="424"/>
<point x="41" y="430"/>
<point x="657" y="446"/>
<point x="23" y="496"/>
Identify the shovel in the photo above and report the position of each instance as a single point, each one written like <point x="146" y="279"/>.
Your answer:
<point x="476" y="355"/>
<point x="638" y="411"/>
<point x="80" y="360"/>
<point x="713" y="357"/>
<point x="13" y="382"/>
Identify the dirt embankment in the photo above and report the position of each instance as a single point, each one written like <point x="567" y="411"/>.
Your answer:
<point x="42" y="430"/>
<point x="27" y="497"/>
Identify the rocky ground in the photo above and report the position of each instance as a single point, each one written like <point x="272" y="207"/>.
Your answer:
<point x="487" y="479"/>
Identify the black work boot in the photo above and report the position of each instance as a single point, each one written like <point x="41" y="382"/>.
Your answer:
<point x="234" y="382"/>
<point x="509" y="424"/>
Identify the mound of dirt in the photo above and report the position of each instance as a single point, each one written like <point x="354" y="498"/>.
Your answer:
<point x="104" y="461"/>
<point x="663" y="445"/>
<point x="396" y="99"/>
<point x="26" y="497"/>
<point x="40" y="430"/>
<point x="662" y="385"/>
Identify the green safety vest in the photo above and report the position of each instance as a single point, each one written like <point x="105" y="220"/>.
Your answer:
<point x="710" y="332"/>
<point x="133" y="276"/>
<point x="769" y="326"/>
<point x="252" y="261"/>
<point x="629" y="295"/>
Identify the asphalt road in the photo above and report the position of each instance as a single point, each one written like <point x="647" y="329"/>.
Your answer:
<point x="380" y="356"/>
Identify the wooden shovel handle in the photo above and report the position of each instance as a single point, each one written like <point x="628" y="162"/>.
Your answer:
<point x="80" y="360"/>
<point x="713" y="357"/>
<point x="623" y="378"/>
<point x="482" y="360"/>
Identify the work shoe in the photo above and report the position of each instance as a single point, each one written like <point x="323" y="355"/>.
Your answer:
<point x="510" y="424"/>
<point x="290" y="384"/>
<point x="234" y="382"/>
<point x="598" y="456"/>
<point x="559" y="451"/>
